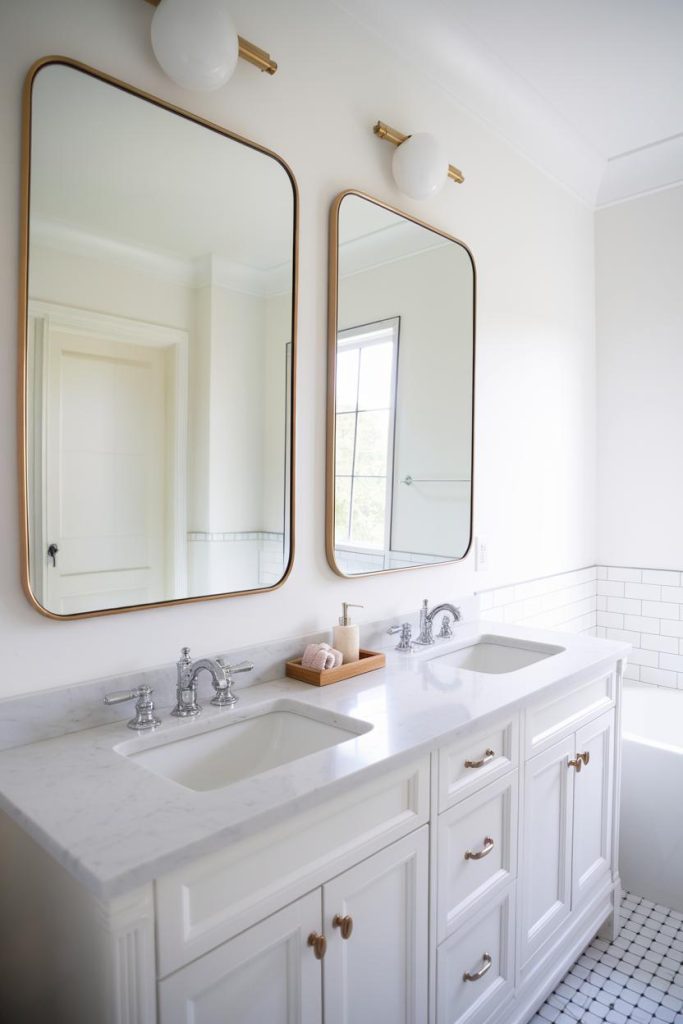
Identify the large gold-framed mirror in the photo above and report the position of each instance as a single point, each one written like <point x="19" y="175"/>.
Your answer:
<point x="400" y="397"/>
<point x="157" y="347"/>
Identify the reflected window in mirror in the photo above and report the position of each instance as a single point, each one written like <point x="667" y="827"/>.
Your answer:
<point x="158" y="348"/>
<point x="366" y="402"/>
<point x="400" y="417"/>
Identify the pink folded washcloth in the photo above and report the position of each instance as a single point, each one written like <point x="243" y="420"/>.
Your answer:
<point x="320" y="657"/>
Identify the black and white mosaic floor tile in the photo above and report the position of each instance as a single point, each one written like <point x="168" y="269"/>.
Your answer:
<point x="637" y="979"/>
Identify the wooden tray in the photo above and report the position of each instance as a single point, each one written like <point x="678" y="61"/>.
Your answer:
<point x="368" y="662"/>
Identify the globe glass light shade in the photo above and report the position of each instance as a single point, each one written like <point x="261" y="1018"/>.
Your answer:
<point x="420" y="166"/>
<point x="195" y="41"/>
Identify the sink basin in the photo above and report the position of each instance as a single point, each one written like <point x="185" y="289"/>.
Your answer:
<point x="496" y="655"/>
<point x="278" y="733"/>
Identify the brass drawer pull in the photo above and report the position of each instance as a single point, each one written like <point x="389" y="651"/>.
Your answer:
<point x="488" y="963"/>
<point x="488" y="756"/>
<point x="344" y="924"/>
<point x="319" y="944"/>
<point x="484" y="852"/>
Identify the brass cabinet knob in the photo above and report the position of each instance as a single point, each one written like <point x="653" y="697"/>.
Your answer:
<point x="344" y="924"/>
<point x="575" y="762"/>
<point x="586" y="756"/>
<point x="319" y="944"/>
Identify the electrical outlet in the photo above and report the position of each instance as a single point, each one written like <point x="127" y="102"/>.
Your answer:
<point x="481" y="554"/>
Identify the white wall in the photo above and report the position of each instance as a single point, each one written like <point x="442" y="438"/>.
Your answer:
<point x="639" y="273"/>
<point x="533" y="243"/>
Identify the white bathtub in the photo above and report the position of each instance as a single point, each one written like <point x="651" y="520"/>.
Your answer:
<point x="651" y="847"/>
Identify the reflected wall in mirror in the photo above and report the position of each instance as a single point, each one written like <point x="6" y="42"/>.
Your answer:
<point x="400" y="391"/>
<point x="157" y="351"/>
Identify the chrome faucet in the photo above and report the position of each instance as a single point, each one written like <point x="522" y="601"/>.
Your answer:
<point x="427" y="617"/>
<point x="221" y="680"/>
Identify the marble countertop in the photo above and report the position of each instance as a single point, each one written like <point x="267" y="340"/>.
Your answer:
<point x="115" y="825"/>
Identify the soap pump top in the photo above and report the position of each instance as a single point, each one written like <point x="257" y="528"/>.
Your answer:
<point x="345" y="619"/>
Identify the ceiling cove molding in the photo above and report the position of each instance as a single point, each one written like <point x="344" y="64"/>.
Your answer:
<point x="478" y="81"/>
<point x="643" y="171"/>
<point x="198" y="273"/>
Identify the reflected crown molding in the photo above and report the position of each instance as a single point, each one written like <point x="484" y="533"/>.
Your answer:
<point x="205" y="270"/>
<point x="387" y="245"/>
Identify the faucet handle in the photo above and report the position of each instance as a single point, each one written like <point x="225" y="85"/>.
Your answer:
<point x="406" y="631"/>
<point x="223" y="687"/>
<point x="144" y="707"/>
<point x="446" y="630"/>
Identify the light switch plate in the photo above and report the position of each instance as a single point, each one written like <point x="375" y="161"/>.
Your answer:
<point x="481" y="554"/>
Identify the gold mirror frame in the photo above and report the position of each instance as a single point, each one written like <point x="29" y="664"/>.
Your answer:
<point x="332" y="329"/>
<point x="23" y="333"/>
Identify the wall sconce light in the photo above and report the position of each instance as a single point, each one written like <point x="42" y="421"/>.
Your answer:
<point x="419" y="165"/>
<point x="196" y="43"/>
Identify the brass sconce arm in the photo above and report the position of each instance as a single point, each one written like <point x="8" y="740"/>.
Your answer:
<point x="385" y="131"/>
<point x="248" y="51"/>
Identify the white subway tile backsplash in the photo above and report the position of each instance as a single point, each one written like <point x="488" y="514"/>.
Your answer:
<point x="627" y="575"/>
<point x="661" y="609"/>
<point x="664" y="576"/>
<point x="638" y="656"/>
<point x="651" y="642"/>
<point x="610" y="619"/>
<point x="671" y="661"/>
<point x="626" y="605"/>
<point x="643" y="591"/>
<point x="641" y="624"/>
<point x="642" y="607"/>
<point x="611" y="588"/>
<point x="626" y="636"/>
<point x="658" y="676"/>
<point x="669" y="627"/>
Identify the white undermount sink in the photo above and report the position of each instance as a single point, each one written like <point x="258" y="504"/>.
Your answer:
<point x="226" y="752"/>
<point x="496" y="655"/>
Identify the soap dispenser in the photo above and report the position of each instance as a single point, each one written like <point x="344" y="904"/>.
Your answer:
<point x="346" y="636"/>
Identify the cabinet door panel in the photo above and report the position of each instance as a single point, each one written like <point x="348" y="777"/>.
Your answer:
<point x="268" y="973"/>
<point x="380" y="971"/>
<point x="545" y="864"/>
<point x="592" y="856"/>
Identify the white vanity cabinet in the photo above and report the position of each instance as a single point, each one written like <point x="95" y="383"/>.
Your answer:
<point x="455" y="887"/>
<point x="361" y="939"/>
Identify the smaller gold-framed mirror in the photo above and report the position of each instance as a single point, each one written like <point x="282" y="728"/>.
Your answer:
<point x="400" y="402"/>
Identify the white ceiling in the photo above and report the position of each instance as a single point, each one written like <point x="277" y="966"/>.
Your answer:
<point x="591" y="90"/>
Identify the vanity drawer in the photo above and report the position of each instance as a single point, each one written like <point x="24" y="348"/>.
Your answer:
<point x="474" y="760"/>
<point x="484" y="951"/>
<point x="213" y="898"/>
<point x="485" y="827"/>
<point x="548" y="722"/>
